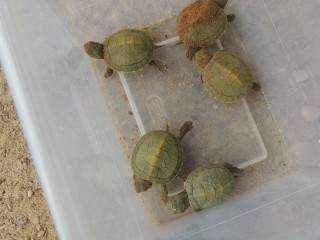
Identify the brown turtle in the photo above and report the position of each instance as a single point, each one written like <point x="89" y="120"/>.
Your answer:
<point x="202" y="23"/>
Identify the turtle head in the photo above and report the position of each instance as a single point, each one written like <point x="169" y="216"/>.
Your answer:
<point x="203" y="57"/>
<point x="180" y="203"/>
<point x="140" y="184"/>
<point x="94" y="49"/>
<point x="221" y="3"/>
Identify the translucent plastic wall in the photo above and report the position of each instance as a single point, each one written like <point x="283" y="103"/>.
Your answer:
<point x="81" y="128"/>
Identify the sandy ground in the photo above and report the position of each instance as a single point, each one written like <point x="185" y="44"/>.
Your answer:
<point x="23" y="211"/>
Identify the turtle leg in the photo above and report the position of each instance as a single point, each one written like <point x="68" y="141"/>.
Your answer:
<point x="180" y="202"/>
<point x="164" y="193"/>
<point x="186" y="127"/>
<point x="140" y="184"/>
<point x="161" y="66"/>
<point x="232" y="169"/>
<point x="191" y="52"/>
<point x="108" y="73"/>
<point x="231" y="17"/>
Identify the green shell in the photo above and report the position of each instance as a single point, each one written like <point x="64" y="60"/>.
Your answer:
<point x="227" y="77"/>
<point x="157" y="157"/>
<point x="128" y="50"/>
<point x="208" y="186"/>
<point x="201" y="23"/>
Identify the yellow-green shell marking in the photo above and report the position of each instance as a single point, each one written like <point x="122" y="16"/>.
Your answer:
<point x="157" y="157"/>
<point x="208" y="186"/>
<point x="128" y="50"/>
<point x="227" y="77"/>
<point x="201" y="23"/>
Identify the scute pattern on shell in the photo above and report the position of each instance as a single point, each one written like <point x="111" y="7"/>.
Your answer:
<point x="208" y="186"/>
<point x="128" y="50"/>
<point x="157" y="157"/>
<point x="201" y="23"/>
<point x="227" y="77"/>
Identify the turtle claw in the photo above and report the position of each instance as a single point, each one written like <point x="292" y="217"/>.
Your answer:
<point x="176" y="44"/>
<point x="232" y="168"/>
<point x="161" y="66"/>
<point x="256" y="87"/>
<point x="165" y="200"/>
<point x="221" y="3"/>
<point x="231" y="17"/>
<point x="167" y="125"/>
<point x="164" y="193"/>
<point x="191" y="53"/>
<point x="190" y="56"/>
<point x="108" y="72"/>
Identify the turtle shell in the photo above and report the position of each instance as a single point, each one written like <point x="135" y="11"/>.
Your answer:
<point x="227" y="77"/>
<point x="208" y="186"/>
<point x="157" y="157"/>
<point x="128" y="50"/>
<point x="201" y="23"/>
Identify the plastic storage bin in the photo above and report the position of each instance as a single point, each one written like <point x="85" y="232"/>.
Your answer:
<point x="81" y="127"/>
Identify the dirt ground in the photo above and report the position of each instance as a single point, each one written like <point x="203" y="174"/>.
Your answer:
<point x="23" y="210"/>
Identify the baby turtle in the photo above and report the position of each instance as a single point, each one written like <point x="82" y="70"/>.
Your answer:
<point x="225" y="76"/>
<point x="157" y="158"/>
<point x="128" y="50"/>
<point x="202" y="23"/>
<point x="205" y="187"/>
